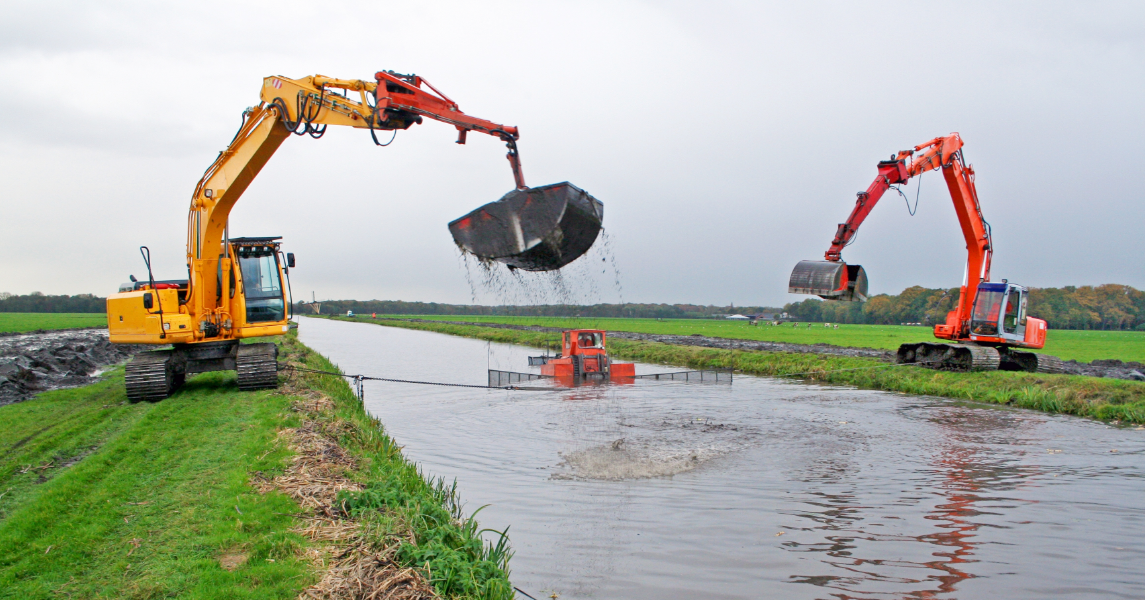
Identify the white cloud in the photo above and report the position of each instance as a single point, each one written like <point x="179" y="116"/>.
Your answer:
<point x="725" y="139"/>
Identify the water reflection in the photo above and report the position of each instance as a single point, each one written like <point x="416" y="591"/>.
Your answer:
<point x="972" y="484"/>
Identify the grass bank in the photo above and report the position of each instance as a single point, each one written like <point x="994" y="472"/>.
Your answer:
<point x="1082" y="346"/>
<point x="23" y="322"/>
<point x="100" y="498"/>
<point x="1106" y="399"/>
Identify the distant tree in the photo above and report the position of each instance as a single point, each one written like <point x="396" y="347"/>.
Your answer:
<point x="39" y="303"/>
<point x="1109" y="306"/>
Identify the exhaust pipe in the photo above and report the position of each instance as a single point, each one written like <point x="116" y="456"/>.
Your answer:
<point x="829" y="280"/>
<point x="536" y="229"/>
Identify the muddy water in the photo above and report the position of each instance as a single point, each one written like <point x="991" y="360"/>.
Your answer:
<point x="762" y="489"/>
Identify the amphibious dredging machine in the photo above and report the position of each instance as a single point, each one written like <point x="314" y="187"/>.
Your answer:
<point x="234" y="287"/>
<point x="583" y="356"/>
<point x="584" y="359"/>
<point x="989" y="323"/>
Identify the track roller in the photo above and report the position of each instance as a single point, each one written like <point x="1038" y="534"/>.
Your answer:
<point x="257" y="366"/>
<point x="950" y="357"/>
<point x="1031" y="362"/>
<point x="150" y="376"/>
<point x="1049" y="364"/>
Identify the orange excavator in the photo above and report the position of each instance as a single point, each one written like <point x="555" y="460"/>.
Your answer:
<point x="990" y="322"/>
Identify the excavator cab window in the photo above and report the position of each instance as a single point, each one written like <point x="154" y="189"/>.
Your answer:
<point x="262" y="284"/>
<point x="589" y="340"/>
<point x="1010" y="321"/>
<point x="987" y="309"/>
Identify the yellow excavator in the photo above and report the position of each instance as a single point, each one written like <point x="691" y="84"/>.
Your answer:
<point x="234" y="289"/>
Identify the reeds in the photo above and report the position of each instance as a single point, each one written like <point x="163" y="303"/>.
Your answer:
<point x="406" y="518"/>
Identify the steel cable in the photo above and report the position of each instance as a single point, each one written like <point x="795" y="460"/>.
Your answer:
<point x="438" y="383"/>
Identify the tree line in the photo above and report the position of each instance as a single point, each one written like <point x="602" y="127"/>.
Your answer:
<point x="635" y="311"/>
<point x="1110" y="306"/>
<point x="39" y="303"/>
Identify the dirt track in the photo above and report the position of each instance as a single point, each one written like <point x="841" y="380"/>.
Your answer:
<point x="31" y="363"/>
<point x="1113" y="368"/>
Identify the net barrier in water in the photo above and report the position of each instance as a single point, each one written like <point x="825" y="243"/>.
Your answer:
<point x="701" y="376"/>
<point x="503" y="378"/>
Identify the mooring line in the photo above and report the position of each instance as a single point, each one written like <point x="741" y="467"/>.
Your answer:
<point x="360" y="378"/>
<point x="521" y="591"/>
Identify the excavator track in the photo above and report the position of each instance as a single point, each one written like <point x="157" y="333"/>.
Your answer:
<point x="1031" y="362"/>
<point x="1049" y="364"/>
<point x="149" y="377"/>
<point x="257" y="366"/>
<point x="950" y="357"/>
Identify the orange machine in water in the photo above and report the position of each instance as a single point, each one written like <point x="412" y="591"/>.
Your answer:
<point x="583" y="356"/>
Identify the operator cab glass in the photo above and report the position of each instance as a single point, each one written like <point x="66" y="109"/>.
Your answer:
<point x="262" y="284"/>
<point x="999" y="311"/>
<point x="590" y="340"/>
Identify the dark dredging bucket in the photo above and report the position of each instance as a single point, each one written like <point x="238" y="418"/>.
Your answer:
<point x="538" y="229"/>
<point x="829" y="280"/>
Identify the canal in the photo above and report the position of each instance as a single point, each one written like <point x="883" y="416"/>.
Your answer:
<point x="763" y="488"/>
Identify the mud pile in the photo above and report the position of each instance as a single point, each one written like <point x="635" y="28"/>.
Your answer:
<point x="48" y="360"/>
<point x="1107" y="368"/>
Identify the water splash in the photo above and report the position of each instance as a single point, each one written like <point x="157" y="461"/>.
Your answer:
<point x="656" y="448"/>
<point x="579" y="283"/>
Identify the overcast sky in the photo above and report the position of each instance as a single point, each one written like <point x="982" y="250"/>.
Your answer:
<point x="726" y="140"/>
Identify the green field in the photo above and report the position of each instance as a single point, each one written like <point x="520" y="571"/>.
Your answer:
<point x="1109" y="399"/>
<point x="20" y="322"/>
<point x="1083" y="346"/>
<point x="101" y="498"/>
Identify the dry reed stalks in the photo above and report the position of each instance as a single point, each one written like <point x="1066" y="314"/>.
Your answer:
<point x="352" y="566"/>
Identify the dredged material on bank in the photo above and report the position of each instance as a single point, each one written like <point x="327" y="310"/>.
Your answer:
<point x="829" y="280"/>
<point x="538" y="229"/>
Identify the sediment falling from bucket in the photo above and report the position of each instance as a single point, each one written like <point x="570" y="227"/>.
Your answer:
<point x="579" y="283"/>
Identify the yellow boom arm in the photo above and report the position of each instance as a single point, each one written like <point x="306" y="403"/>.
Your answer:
<point x="300" y="106"/>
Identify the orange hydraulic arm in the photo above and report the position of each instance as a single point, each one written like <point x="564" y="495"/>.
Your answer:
<point x="304" y="106"/>
<point x="943" y="153"/>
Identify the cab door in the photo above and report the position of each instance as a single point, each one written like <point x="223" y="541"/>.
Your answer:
<point x="1014" y="315"/>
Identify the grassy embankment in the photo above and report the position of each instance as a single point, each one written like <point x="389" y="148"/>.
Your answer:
<point x="1082" y="346"/>
<point x="100" y="498"/>
<point x="1083" y="396"/>
<point x="21" y="322"/>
